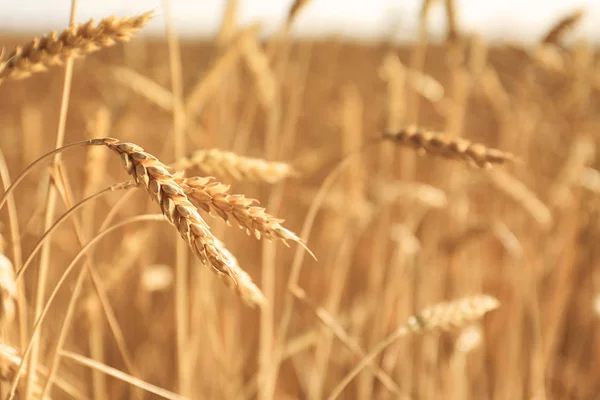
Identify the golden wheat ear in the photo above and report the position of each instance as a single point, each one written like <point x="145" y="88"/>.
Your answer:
<point x="148" y="172"/>
<point x="443" y="145"/>
<point x="76" y="41"/>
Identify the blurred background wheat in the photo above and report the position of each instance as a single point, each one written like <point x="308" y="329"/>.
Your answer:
<point x="341" y="139"/>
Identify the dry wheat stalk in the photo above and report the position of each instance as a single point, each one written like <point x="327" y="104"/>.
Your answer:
<point x="525" y="197"/>
<point x="228" y="164"/>
<point x="563" y="26"/>
<point x="202" y="90"/>
<point x="54" y="49"/>
<point x="393" y="71"/>
<point x="149" y="172"/>
<point x="450" y="147"/>
<point x="144" y="86"/>
<point x="258" y="64"/>
<point x="8" y="287"/>
<point x="212" y="197"/>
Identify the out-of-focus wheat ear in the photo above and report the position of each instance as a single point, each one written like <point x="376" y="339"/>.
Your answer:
<point x="8" y="287"/>
<point x="443" y="145"/>
<point x="562" y="26"/>
<point x="230" y="165"/>
<point x="154" y="176"/>
<point x="452" y="314"/>
<point x="54" y="49"/>
<point x="439" y="317"/>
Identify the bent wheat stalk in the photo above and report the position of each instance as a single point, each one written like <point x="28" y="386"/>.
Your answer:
<point x="443" y="145"/>
<point x="228" y="164"/>
<point x="54" y="49"/>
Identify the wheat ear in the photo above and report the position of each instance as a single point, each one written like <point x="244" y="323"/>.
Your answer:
<point x="442" y="316"/>
<point x="213" y="197"/>
<point x="230" y="165"/>
<point x="449" y="147"/>
<point x="154" y="176"/>
<point x="79" y="40"/>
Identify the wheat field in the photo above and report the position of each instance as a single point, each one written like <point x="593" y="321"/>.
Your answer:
<point x="279" y="218"/>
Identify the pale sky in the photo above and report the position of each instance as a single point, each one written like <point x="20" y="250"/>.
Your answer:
<point x="511" y="20"/>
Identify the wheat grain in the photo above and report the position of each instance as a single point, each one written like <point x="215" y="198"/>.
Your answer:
<point x="154" y="176"/>
<point x="449" y="147"/>
<point x="228" y="164"/>
<point x="212" y="196"/>
<point x="54" y="49"/>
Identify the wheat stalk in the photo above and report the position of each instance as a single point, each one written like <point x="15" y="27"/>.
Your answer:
<point x="54" y="49"/>
<point x="446" y="146"/>
<point x="212" y="197"/>
<point x="228" y="164"/>
<point x="525" y="197"/>
<point x="154" y="176"/>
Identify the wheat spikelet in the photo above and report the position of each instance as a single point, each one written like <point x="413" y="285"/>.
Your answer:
<point x="54" y="49"/>
<point x="149" y="172"/>
<point x="8" y="287"/>
<point x="564" y="25"/>
<point x="228" y="164"/>
<point x="212" y="197"/>
<point x="449" y="147"/>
